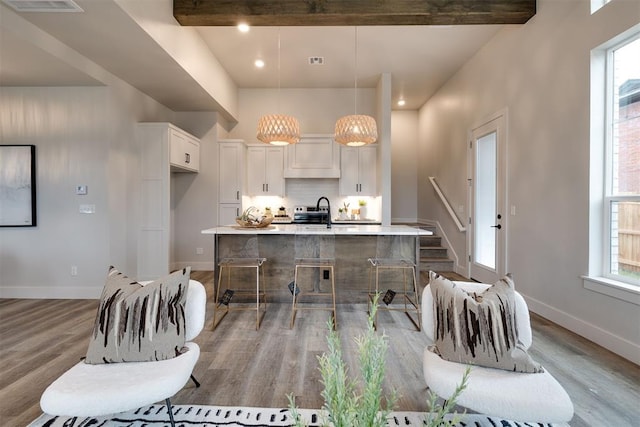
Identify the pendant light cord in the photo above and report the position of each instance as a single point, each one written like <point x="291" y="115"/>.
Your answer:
<point x="278" y="104"/>
<point x="355" y="74"/>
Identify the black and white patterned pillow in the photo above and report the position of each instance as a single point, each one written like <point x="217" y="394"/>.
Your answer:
<point x="479" y="329"/>
<point x="137" y="323"/>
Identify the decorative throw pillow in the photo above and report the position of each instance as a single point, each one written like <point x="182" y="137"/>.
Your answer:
<point x="479" y="329"/>
<point x="137" y="323"/>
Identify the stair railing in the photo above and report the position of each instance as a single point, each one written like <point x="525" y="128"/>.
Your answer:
<point x="444" y="200"/>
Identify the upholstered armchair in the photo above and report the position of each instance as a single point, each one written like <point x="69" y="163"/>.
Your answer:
<point x="526" y="397"/>
<point x="102" y="389"/>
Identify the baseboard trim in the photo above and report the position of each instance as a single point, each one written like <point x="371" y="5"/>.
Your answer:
<point x="195" y="266"/>
<point x="606" y="339"/>
<point x="58" y="292"/>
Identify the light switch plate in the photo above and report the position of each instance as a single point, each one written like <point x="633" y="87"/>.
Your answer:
<point x="81" y="190"/>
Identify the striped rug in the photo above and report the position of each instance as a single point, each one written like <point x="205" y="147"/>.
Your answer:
<point x="212" y="416"/>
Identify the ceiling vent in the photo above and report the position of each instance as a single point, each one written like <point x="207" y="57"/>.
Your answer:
<point x="316" y="60"/>
<point x="44" y="5"/>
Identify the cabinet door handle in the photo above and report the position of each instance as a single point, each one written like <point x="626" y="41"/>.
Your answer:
<point x="237" y="211"/>
<point x="238" y="195"/>
<point x="187" y="158"/>
<point x="267" y="184"/>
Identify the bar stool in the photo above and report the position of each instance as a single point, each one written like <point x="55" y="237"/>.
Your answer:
<point x="242" y="253"/>
<point x="395" y="253"/>
<point x="316" y="252"/>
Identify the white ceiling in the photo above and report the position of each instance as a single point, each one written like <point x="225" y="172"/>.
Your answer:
<point x="419" y="58"/>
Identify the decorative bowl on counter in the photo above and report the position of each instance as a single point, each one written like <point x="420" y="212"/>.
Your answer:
<point x="250" y="223"/>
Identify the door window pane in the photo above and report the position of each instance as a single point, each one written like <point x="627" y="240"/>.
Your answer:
<point x="486" y="201"/>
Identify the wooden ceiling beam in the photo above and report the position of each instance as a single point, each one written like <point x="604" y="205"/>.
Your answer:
<point x="352" y="12"/>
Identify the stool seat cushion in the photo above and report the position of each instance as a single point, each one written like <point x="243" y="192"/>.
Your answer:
<point x="96" y="390"/>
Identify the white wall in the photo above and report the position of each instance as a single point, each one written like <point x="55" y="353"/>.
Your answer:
<point x="316" y="109"/>
<point x="194" y="197"/>
<point x="404" y="166"/>
<point x="540" y="73"/>
<point x="82" y="136"/>
<point x="86" y="135"/>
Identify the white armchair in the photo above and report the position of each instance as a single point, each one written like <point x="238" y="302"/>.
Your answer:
<point x="512" y="395"/>
<point x="96" y="390"/>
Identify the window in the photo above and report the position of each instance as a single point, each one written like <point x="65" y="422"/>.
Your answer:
<point x="622" y="164"/>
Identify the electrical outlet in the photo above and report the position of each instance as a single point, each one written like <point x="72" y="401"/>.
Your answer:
<point x="325" y="274"/>
<point x="87" y="209"/>
<point x="74" y="270"/>
<point x="199" y="251"/>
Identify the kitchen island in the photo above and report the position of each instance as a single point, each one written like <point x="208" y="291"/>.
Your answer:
<point x="350" y="245"/>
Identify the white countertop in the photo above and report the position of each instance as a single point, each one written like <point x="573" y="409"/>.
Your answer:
<point x="336" y="229"/>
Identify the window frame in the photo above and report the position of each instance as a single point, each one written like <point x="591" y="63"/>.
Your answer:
<point x="600" y="279"/>
<point x="609" y="197"/>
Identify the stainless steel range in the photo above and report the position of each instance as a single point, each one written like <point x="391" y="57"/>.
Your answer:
<point x="310" y="215"/>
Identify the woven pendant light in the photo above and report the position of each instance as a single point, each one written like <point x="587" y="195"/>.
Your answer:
<point x="357" y="129"/>
<point x="278" y="129"/>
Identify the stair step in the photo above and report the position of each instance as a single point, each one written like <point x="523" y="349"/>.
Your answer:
<point x="436" y="264"/>
<point x="433" y="252"/>
<point x="430" y="241"/>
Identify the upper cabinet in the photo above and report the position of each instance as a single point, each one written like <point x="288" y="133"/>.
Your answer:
<point x="314" y="156"/>
<point x="231" y="171"/>
<point x="359" y="171"/>
<point x="265" y="166"/>
<point x="184" y="151"/>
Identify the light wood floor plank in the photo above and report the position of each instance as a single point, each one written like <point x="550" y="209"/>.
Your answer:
<point x="40" y="339"/>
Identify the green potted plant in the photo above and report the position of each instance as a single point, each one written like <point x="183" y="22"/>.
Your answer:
<point x="344" y="407"/>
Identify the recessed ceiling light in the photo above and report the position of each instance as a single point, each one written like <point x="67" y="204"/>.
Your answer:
<point x="243" y="27"/>
<point x="259" y="63"/>
<point x="401" y="102"/>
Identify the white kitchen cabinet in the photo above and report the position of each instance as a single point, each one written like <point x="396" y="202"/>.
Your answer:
<point x="358" y="175"/>
<point x="184" y="151"/>
<point x="231" y="171"/>
<point x="314" y="156"/>
<point x="157" y="142"/>
<point x="265" y="167"/>
<point x="228" y="212"/>
<point x="231" y="182"/>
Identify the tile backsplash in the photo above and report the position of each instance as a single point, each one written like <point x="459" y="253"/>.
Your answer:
<point x="307" y="191"/>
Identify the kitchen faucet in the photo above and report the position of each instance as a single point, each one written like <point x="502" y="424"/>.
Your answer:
<point x="328" y="212"/>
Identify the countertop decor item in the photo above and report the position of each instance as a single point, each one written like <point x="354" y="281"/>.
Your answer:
<point x="252" y="218"/>
<point x="265" y="222"/>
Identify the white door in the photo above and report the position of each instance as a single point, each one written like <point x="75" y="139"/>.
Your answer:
<point x="487" y="225"/>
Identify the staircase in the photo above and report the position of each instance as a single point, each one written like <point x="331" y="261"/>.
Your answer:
<point x="432" y="255"/>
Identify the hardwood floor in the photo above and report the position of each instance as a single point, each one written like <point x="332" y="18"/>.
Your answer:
<point x="238" y="365"/>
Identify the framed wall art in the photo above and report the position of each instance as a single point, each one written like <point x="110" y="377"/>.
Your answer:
<point x="18" y="186"/>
